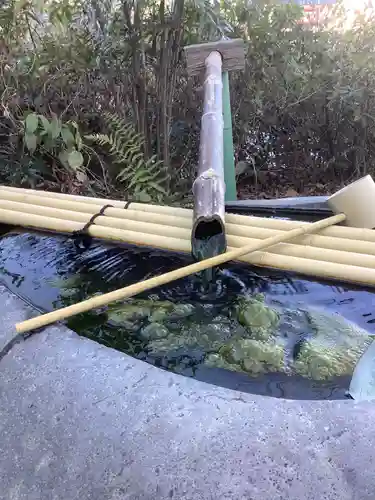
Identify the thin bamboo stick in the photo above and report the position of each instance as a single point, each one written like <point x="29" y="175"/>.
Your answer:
<point x="129" y="291"/>
<point x="176" y="215"/>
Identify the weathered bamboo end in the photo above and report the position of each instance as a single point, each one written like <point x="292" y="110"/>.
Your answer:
<point x="231" y="51"/>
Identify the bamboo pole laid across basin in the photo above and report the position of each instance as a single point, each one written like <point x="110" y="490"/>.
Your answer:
<point x="24" y="196"/>
<point x="144" y="207"/>
<point x="321" y="240"/>
<point x="315" y="247"/>
<point x="310" y="267"/>
<point x="179" y="217"/>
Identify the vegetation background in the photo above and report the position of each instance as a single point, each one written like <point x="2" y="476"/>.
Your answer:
<point x="95" y="99"/>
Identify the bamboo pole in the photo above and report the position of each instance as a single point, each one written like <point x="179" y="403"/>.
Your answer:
<point x="177" y="227"/>
<point x="101" y="220"/>
<point x="179" y="217"/>
<point x="281" y="256"/>
<point x="22" y="219"/>
<point x="330" y="249"/>
<point x="91" y="208"/>
<point x="209" y="186"/>
<point x="144" y="207"/>
<point x="129" y="291"/>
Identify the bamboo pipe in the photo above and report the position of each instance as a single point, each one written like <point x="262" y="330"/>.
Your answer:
<point x="159" y="224"/>
<point x="91" y="208"/>
<point x="337" y="269"/>
<point x="350" y="233"/>
<point x="129" y="291"/>
<point x="101" y="220"/>
<point x="309" y="246"/>
<point x="179" y="217"/>
<point x="106" y="233"/>
<point x="160" y="209"/>
<point x="209" y="185"/>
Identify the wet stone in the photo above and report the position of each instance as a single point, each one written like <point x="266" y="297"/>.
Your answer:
<point x="260" y="319"/>
<point x="154" y="331"/>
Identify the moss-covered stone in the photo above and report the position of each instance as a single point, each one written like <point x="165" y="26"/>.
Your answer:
<point x="215" y="360"/>
<point x="204" y="336"/>
<point x="181" y="311"/>
<point x="128" y="312"/>
<point x="159" y="314"/>
<point x="253" y="356"/>
<point x="260" y="319"/>
<point x="333" y="350"/>
<point x="154" y="331"/>
<point x="139" y="309"/>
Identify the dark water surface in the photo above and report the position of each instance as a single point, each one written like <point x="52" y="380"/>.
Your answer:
<point x="38" y="267"/>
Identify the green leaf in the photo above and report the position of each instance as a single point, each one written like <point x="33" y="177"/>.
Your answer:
<point x="75" y="159"/>
<point x="55" y="127"/>
<point x="31" y="123"/>
<point x="45" y="123"/>
<point x="63" y="157"/>
<point x="67" y="136"/>
<point x="78" y="140"/>
<point x="157" y="187"/>
<point x="144" y="197"/>
<point x="30" y="141"/>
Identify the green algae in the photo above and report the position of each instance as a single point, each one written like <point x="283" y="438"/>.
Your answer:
<point x="154" y="331"/>
<point x="207" y="337"/>
<point x="334" y="348"/>
<point x="254" y="356"/>
<point x="245" y="338"/>
<point x="260" y="319"/>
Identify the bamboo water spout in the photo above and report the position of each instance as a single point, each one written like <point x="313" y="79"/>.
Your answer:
<point x="208" y="231"/>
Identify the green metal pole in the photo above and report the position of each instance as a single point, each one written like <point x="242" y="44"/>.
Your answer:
<point x="229" y="170"/>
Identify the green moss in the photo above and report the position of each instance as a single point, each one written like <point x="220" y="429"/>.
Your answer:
<point x="321" y="362"/>
<point x="181" y="311"/>
<point x="128" y="312"/>
<point x="254" y="356"/>
<point x="203" y="336"/>
<point x="334" y="349"/>
<point x="260" y="319"/>
<point x="158" y="314"/>
<point x="215" y="360"/>
<point x="139" y="309"/>
<point x="154" y="331"/>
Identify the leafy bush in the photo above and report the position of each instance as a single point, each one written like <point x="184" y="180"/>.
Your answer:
<point x="114" y="75"/>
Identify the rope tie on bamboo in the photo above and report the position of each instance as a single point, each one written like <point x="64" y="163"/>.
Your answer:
<point x="82" y="239"/>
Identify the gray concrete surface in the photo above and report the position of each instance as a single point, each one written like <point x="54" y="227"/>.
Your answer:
<point x="11" y="311"/>
<point x="81" y="421"/>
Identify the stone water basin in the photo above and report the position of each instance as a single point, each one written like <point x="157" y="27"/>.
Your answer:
<point x="259" y="331"/>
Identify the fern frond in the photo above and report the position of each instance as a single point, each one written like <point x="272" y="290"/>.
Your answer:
<point x="125" y="145"/>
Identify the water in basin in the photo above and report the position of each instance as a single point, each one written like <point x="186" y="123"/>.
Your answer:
<point x="259" y="331"/>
